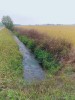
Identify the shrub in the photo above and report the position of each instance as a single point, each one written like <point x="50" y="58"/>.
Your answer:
<point x="28" y="42"/>
<point x="24" y="39"/>
<point x="49" y="65"/>
<point x="46" y="59"/>
<point x="41" y="55"/>
<point x="31" y="45"/>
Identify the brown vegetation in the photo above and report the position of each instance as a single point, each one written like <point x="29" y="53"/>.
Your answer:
<point x="59" y="47"/>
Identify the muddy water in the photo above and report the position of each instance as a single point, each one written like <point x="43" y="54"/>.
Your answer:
<point x="32" y="69"/>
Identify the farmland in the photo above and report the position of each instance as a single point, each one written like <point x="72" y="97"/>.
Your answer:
<point x="66" y="32"/>
<point x="13" y="86"/>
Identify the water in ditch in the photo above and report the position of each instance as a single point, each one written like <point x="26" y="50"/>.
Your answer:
<point x="32" y="69"/>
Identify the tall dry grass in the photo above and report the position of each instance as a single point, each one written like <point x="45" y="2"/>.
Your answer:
<point x="60" y="48"/>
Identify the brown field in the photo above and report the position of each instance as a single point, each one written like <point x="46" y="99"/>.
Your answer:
<point x="66" y="32"/>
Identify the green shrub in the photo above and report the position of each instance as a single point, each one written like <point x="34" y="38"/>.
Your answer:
<point x="24" y="39"/>
<point x="16" y="33"/>
<point x="31" y="44"/>
<point x="41" y="55"/>
<point x="47" y="60"/>
<point x="28" y="42"/>
<point x="50" y="65"/>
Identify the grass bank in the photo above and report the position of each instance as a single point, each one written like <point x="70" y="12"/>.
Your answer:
<point x="11" y="69"/>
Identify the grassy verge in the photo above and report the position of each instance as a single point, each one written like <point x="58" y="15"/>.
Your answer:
<point x="11" y="70"/>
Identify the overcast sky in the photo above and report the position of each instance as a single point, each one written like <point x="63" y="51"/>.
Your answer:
<point x="39" y="11"/>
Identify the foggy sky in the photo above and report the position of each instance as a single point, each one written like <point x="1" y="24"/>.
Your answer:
<point x="39" y="11"/>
